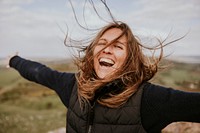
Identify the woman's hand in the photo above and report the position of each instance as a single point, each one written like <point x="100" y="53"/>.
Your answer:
<point x="8" y="59"/>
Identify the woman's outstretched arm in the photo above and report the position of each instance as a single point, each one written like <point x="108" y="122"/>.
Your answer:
<point x="61" y="82"/>
<point x="162" y="106"/>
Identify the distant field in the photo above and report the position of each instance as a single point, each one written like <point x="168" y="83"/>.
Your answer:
<point x="180" y="76"/>
<point x="28" y="107"/>
<point x="8" y="76"/>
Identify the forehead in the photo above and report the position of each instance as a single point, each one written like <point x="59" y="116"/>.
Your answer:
<point x="112" y="34"/>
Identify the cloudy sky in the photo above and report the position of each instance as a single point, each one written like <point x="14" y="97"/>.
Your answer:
<point x="37" y="28"/>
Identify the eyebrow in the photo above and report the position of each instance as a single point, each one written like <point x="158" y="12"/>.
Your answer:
<point x="103" y="39"/>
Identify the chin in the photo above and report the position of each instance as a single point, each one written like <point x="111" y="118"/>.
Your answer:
<point x="104" y="75"/>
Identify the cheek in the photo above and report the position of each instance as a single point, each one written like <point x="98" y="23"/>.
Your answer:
<point x="96" y="50"/>
<point x="122" y="58"/>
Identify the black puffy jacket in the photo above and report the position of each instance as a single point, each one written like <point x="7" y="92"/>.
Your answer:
<point x="100" y="119"/>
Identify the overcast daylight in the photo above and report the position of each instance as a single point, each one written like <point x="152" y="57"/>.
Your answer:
<point x="115" y="85"/>
<point x="37" y="28"/>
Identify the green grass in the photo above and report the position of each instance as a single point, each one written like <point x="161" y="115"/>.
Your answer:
<point x="32" y="108"/>
<point x="17" y="119"/>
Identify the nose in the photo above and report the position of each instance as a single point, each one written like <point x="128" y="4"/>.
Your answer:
<point x="108" y="50"/>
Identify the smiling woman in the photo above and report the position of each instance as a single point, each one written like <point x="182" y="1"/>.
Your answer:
<point x="115" y="54"/>
<point x="111" y="92"/>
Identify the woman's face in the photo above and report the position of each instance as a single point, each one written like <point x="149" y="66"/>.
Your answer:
<point x="113" y="56"/>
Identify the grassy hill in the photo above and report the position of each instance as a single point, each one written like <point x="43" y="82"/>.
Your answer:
<point x="29" y="107"/>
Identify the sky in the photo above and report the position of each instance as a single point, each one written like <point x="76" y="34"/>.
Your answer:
<point x="37" y="28"/>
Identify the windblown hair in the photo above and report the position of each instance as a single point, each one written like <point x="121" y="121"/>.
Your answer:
<point x="137" y="69"/>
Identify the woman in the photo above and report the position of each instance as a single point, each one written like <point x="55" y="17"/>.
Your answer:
<point x="111" y="92"/>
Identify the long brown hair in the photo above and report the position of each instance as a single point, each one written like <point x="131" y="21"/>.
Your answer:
<point x="135" y="70"/>
<point x="138" y="67"/>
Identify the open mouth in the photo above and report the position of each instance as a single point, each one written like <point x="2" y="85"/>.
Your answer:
<point x="106" y="62"/>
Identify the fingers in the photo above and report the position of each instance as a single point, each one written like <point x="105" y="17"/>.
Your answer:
<point x="8" y="59"/>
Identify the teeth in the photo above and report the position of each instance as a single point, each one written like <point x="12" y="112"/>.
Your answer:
<point x="107" y="60"/>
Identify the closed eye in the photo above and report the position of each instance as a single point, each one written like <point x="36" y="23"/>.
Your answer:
<point x="102" y="42"/>
<point x="118" y="46"/>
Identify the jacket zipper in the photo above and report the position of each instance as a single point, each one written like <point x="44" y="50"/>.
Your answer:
<point x="90" y="118"/>
<point x="89" y="128"/>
